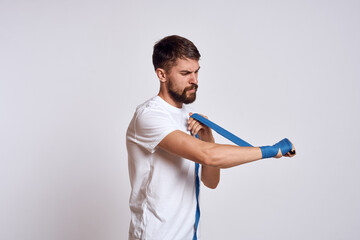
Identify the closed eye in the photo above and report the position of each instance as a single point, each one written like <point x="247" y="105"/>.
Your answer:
<point x="184" y="73"/>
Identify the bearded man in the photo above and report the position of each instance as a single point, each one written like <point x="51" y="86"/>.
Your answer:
<point x="162" y="151"/>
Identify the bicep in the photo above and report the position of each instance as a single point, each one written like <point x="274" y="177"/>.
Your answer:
<point x="184" y="145"/>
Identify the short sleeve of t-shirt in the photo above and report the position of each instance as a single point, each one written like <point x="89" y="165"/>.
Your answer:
<point x="151" y="127"/>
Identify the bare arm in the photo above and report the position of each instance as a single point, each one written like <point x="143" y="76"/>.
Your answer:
<point x="210" y="176"/>
<point x="212" y="156"/>
<point x="206" y="153"/>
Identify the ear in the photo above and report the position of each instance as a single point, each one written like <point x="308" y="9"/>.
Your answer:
<point x="161" y="73"/>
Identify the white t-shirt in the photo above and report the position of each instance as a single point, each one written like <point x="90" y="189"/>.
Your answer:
<point x="162" y="200"/>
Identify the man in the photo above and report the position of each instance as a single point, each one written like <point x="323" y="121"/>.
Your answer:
<point x="162" y="152"/>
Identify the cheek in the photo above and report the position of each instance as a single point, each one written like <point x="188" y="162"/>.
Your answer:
<point x="186" y="80"/>
<point x="175" y="83"/>
<point x="181" y="81"/>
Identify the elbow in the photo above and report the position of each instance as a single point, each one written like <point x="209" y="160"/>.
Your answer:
<point x="209" y="158"/>
<point x="206" y="158"/>
<point x="211" y="185"/>
<point x="210" y="173"/>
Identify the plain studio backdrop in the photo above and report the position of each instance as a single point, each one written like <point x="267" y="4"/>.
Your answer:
<point x="73" y="72"/>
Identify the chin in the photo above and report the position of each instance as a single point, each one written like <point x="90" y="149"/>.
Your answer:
<point x="190" y="99"/>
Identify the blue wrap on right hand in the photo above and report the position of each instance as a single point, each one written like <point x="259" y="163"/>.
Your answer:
<point x="271" y="151"/>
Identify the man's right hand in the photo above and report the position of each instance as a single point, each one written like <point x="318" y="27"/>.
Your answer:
<point x="291" y="153"/>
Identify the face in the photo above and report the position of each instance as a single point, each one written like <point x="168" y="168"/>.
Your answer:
<point x="182" y="80"/>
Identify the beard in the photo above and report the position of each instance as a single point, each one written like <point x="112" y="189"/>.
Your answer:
<point x="184" y="96"/>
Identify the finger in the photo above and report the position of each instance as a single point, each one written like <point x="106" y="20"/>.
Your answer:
<point x="190" y="118"/>
<point x="192" y="123"/>
<point x="290" y="154"/>
<point x="279" y="154"/>
<point x="195" y="126"/>
<point x="197" y="129"/>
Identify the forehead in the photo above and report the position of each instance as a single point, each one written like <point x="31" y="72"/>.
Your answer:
<point x="186" y="64"/>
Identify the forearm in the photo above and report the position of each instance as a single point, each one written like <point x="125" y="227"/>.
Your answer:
<point x="206" y="153"/>
<point x="210" y="176"/>
<point x="226" y="156"/>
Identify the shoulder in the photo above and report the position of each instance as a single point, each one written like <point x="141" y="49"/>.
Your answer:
<point x="151" y="112"/>
<point x="150" y="124"/>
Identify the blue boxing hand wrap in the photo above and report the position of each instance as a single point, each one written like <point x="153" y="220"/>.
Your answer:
<point x="284" y="145"/>
<point x="267" y="152"/>
<point x="271" y="151"/>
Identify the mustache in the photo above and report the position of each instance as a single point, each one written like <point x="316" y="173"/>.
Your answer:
<point x="193" y="86"/>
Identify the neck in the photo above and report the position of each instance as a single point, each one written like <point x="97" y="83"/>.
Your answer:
<point x="167" y="98"/>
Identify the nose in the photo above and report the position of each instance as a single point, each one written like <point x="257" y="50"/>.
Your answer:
<point x="194" y="78"/>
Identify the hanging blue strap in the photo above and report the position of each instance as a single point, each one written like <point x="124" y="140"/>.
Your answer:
<point x="267" y="151"/>
<point x="197" y="187"/>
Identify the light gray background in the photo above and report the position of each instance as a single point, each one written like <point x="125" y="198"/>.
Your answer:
<point x="72" y="73"/>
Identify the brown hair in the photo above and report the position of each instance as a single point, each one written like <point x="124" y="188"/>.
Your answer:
<point x="171" y="48"/>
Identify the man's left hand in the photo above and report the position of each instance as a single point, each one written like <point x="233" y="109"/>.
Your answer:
<point x="195" y="127"/>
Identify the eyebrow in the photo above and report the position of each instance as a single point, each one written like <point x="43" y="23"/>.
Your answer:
<point x="187" y="71"/>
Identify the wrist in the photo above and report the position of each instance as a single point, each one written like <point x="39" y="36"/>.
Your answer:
<point x="206" y="136"/>
<point x="269" y="151"/>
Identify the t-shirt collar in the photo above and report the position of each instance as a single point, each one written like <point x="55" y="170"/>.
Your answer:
<point x="168" y="105"/>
